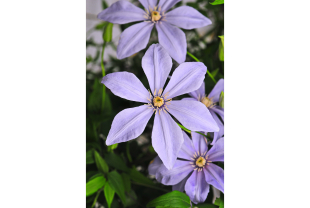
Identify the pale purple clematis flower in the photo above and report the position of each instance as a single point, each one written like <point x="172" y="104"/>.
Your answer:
<point x="211" y="102"/>
<point x="166" y="136"/>
<point x="136" y="37"/>
<point x="193" y="171"/>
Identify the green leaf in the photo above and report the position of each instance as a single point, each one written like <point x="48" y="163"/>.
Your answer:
<point x="89" y="157"/>
<point x="116" y="161"/>
<point x="101" y="164"/>
<point x="94" y="185"/>
<point x="126" y="180"/>
<point x="221" y="101"/>
<point x="113" y="146"/>
<point x="207" y="206"/>
<point x="221" y="53"/>
<point x="222" y="204"/>
<point x="214" y="73"/>
<point x="107" y="36"/>
<point x="116" y="183"/>
<point x="216" y="2"/>
<point x="172" y="199"/>
<point x="222" y="39"/>
<point x="109" y="194"/>
<point x="101" y="25"/>
<point x="140" y="178"/>
<point x="217" y="201"/>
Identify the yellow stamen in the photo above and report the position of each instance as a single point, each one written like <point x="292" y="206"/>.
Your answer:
<point x="207" y="102"/>
<point x="200" y="162"/>
<point x="155" y="16"/>
<point x="158" y="101"/>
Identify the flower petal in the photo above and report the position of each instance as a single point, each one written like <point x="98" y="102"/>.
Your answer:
<point x="214" y="176"/>
<point x="122" y="12"/>
<point x="200" y="142"/>
<point x="216" y="91"/>
<point x="198" y="94"/>
<point x="148" y="3"/>
<point x="220" y="111"/>
<point x="165" y="5"/>
<point x="129" y="124"/>
<point x="167" y="138"/>
<point x="197" y="188"/>
<point x="181" y="185"/>
<point x="187" y="149"/>
<point x="216" y="153"/>
<point x="126" y="85"/>
<point x="134" y="39"/>
<point x="172" y="177"/>
<point x="219" y="123"/>
<point x="193" y="115"/>
<point x="186" y="78"/>
<point x="153" y="167"/>
<point x="187" y="18"/>
<point x="173" y="40"/>
<point x="156" y="64"/>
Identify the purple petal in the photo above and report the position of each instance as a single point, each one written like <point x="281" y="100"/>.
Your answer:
<point x="165" y="5"/>
<point x="187" y="149"/>
<point x="216" y="153"/>
<point x="198" y="94"/>
<point x="214" y="176"/>
<point x="167" y="138"/>
<point x="134" y="39"/>
<point x="186" y="78"/>
<point x="193" y="115"/>
<point x="220" y="111"/>
<point x="216" y="91"/>
<point x="219" y="123"/>
<point x="172" y="177"/>
<point x="153" y="167"/>
<point x="200" y="142"/>
<point x="129" y="124"/>
<point x="196" y="187"/>
<point x="181" y="185"/>
<point x="187" y="18"/>
<point x="156" y="64"/>
<point x="148" y="3"/>
<point x="122" y="12"/>
<point x="173" y="40"/>
<point x="126" y="85"/>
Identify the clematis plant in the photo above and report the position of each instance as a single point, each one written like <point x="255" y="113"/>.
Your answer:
<point x="211" y="102"/>
<point x="193" y="171"/>
<point x="136" y="37"/>
<point x="167" y="137"/>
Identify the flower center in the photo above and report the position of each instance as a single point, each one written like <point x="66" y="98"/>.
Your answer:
<point x="200" y="162"/>
<point x="155" y="16"/>
<point x="158" y="101"/>
<point x="207" y="102"/>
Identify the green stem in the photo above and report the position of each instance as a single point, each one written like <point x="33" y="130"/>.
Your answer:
<point x="98" y="192"/>
<point x="189" y="131"/>
<point x="210" y="75"/>
<point x="103" y="74"/>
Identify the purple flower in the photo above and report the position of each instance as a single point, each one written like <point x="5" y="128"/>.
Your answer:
<point x="136" y="37"/>
<point x="193" y="171"/>
<point x="166" y="135"/>
<point x="211" y="102"/>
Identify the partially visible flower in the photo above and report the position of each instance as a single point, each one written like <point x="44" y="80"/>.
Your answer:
<point x="167" y="135"/>
<point x="193" y="171"/>
<point x="211" y="102"/>
<point x="136" y="37"/>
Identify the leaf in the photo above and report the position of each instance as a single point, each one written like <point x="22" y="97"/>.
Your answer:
<point x="221" y="101"/>
<point x="216" y="2"/>
<point x="94" y="185"/>
<point x="126" y="180"/>
<point x="116" y="183"/>
<point x="207" y="206"/>
<point x="172" y="199"/>
<point x="217" y="201"/>
<point x="222" y="39"/>
<point x="140" y="178"/>
<point x="113" y="146"/>
<point x="107" y="36"/>
<point x="101" y="164"/>
<point x="116" y="161"/>
<point x="108" y="193"/>
<point x="214" y="73"/>
<point x="89" y="157"/>
<point x="101" y="25"/>
<point x="221" y="53"/>
<point x="221" y="204"/>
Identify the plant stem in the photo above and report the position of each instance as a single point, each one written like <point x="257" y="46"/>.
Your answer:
<point x="210" y="75"/>
<point x="103" y="74"/>
<point x="98" y="192"/>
